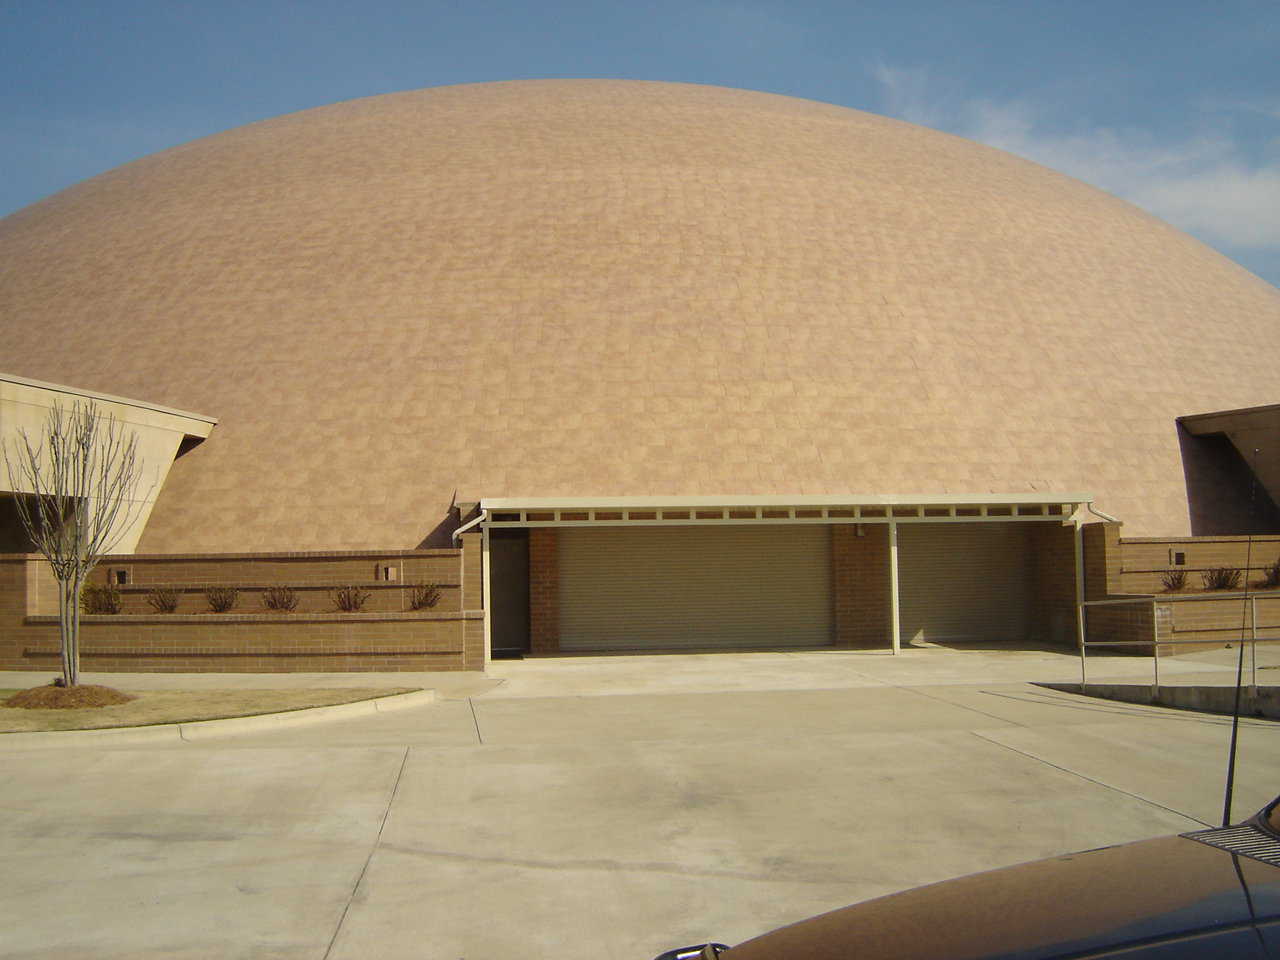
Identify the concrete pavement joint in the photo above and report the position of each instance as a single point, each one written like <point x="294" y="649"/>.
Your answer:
<point x="475" y="720"/>
<point x="951" y="703"/>
<point x="873" y="679"/>
<point x="369" y="859"/>
<point x="1100" y="783"/>
<point x="612" y="866"/>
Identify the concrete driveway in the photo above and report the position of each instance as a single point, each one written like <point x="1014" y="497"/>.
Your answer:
<point x="616" y="806"/>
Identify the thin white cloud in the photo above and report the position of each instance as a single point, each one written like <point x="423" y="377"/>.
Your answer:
<point x="1203" y="183"/>
<point x="1241" y="206"/>
<point x="910" y="94"/>
<point x="1265" y="108"/>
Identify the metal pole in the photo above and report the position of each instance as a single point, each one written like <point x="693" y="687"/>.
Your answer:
<point x="1155" y="652"/>
<point x="484" y="578"/>
<point x="894" y="619"/>
<point x="1253" y="649"/>
<point x="1079" y="550"/>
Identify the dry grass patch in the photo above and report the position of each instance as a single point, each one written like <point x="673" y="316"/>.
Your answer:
<point x="180" y="706"/>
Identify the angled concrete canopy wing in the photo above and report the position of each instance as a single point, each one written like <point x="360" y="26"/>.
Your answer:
<point x="25" y="406"/>
<point x="1254" y="432"/>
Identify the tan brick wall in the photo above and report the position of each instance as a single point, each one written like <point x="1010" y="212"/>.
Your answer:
<point x="42" y="587"/>
<point x="1145" y="560"/>
<point x="860" y="585"/>
<point x="1217" y="619"/>
<point x="544" y="591"/>
<point x="1101" y="560"/>
<point x="1126" y="622"/>
<point x="384" y="635"/>
<point x="473" y="642"/>
<point x="472" y="567"/>
<point x="254" y="643"/>
<point x="14" y="595"/>
<point x="1132" y="567"/>
<point x="1134" y="622"/>
<point x="312" y="598"/>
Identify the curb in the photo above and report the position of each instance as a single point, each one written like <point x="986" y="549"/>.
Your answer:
<point x="212" y="729"/>
<point x="1260" y="701"/>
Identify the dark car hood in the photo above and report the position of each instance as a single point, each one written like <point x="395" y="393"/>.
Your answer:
<point x="1083" y="901"/>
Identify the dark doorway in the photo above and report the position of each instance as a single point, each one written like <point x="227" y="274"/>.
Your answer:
<point x="509" y="593"/>
<point x="13" y="535"/>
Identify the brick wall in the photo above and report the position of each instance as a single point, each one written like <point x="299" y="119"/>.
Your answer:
<point x="471" y="563"/>
<point x="1144" y="560"/>
<point x="860" y="585"/>
<point x="14" y="597"/>
<point x="311" y="577"/>
<point x="1101" y="560"/>
<point x="1134" y="622"/>
<point x="1132" y="567"/>
<point x="544" y="591"/>
<point x="1123" y="622"/>
<point x="42" y="587"/>
<point x="1218" y="618"/>
<point x="254" y="643"/>
<point x="298" y="569"/>
<point x="385" y="635"/>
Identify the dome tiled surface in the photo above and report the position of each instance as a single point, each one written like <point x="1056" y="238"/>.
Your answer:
<point x="557" y="288"/>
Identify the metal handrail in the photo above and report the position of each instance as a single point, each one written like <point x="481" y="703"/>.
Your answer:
<point x="1155" y="643"/>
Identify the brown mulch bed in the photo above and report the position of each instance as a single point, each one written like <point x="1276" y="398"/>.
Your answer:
<point x="67" y="698"/>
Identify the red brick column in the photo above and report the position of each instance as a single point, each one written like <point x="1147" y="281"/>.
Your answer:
<point x="860" y="585"/>
<point x="544" y="591"/>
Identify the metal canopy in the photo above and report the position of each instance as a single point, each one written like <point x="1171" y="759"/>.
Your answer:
<point x="693" y="510"/>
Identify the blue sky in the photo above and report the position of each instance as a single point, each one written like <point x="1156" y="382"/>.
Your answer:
<point x="1172" y="105"/>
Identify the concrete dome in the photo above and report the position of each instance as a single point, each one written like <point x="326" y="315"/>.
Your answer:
<point x="557" y="288"/>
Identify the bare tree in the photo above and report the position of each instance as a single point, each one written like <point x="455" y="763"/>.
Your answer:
<point x="80" y="478"/>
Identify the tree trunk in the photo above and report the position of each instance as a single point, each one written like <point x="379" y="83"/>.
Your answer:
<point x="68" y="601"/>
<point x="74" y="658"/>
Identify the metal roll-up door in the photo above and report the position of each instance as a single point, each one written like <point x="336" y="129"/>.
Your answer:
<point x="964" y="581"/>
<point x="740" y="586"/>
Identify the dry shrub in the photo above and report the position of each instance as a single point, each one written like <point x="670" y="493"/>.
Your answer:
<point x="221" y="599"/>
<point x="1174" y="579"/>
<point x="100" y="599"/>
<point x="163" y="599"/>
<point x="1271" y="575"/>
<point x="423" y="596"/>
<point x="1221" y="578"/>
<point x="348" y="599"/>
<point x="280" y="599"/>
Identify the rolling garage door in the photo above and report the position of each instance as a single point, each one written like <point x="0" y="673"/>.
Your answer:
<point x="964" y="581"/>
<point x="681" y="587"/>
